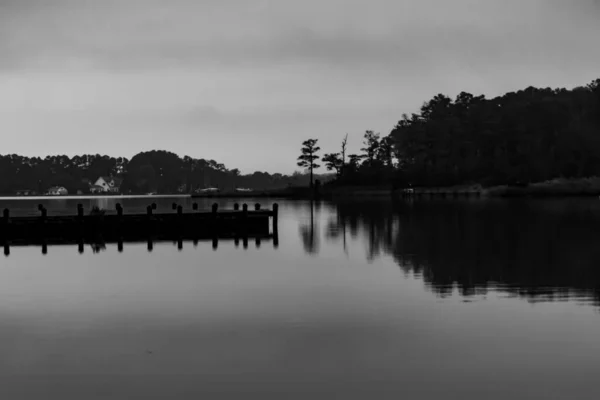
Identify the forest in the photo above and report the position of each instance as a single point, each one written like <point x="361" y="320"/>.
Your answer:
<point x="532" y="135"/>
<point x="153" y="171"/>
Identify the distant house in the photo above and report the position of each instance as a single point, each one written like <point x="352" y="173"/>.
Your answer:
<point x="96" y="189"/>
<point x="26" y="192"/>
<point x="105" y="184"/>
<point x="57" y="191"/>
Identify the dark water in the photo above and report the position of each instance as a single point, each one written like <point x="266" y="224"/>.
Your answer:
<point x="372" y="300"/>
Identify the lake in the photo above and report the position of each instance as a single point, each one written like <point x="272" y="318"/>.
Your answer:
<point x="416" y="299"/>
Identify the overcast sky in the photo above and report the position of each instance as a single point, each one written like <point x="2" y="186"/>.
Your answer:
<point x="245" y="82"/>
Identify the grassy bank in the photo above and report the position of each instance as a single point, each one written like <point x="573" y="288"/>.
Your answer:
<point x="559" y="187"/>
<point x="553" y="188"/>
<point x="357" y="191"/>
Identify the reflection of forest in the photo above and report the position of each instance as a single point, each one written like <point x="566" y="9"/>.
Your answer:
<point x="541" y="250"/>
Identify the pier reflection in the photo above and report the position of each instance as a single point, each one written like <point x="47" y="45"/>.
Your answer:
<point x="100" y="246"/>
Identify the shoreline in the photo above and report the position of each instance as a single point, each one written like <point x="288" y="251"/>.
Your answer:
<point x="585" y="187"/>
<point x="84" y="197"/>
<point x="560" y="187"/>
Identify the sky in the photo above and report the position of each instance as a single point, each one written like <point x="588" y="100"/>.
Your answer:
<point x="245" y="82"/>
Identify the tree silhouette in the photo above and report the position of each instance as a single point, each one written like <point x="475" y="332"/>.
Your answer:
<point x="343" y="153"/>
<point x="532" y="135"/>
<point x="354" y="161"/>
<point x="159" y="171"/>
<point x="309" y="156"/>
<point x="371" y="143"/>
<point x="333" y="161"/>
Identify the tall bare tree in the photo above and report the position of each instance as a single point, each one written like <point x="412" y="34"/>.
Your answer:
<point x="344" y="144"/>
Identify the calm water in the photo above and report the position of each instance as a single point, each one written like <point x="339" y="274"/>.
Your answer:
<point x="373" y="300"/>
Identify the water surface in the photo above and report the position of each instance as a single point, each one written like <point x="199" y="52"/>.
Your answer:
<point x="421" y="300"/>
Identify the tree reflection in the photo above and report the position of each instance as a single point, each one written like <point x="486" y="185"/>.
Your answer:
<point x="541" y="250"/>
<point x="309" y="234"/>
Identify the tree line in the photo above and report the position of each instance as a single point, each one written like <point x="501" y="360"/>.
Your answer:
<point x="531" y="135"/>
<point x="153" y="171"/>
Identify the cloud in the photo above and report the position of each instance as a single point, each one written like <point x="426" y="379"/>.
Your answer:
<point x="270" y="72"/>
<point x="344" y="34"/>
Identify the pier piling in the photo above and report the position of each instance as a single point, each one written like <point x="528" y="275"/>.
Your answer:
<point x="5" y="226"/>
<point x="275" y="218"/>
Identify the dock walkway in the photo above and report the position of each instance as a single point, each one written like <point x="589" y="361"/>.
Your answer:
<point x="176" y="225"/>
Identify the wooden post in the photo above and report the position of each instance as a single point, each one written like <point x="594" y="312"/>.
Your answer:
<point x="257" y="242"/>
<point x="179" y="226"/>
<point x="149" y="227"/>
<point x="42" y="230"/>
<point x="80" y="247"/>
<point x="44" y="248"/>
<point x="275" y="219"/>
<point x="5" y="232"/>
<point x="236" y="207"/>
<point x="120" y="245"/>
<point x="5" y="225"/>
<point x="174" y="206"/>
<point x="257" y="207"/>
<point x="244" y="222"/>
<point x="150" y="245"/>
<point x="214" y="225"/>
<point x="195" y="206"/>
<point x="215" y="243"/>
<point x="179" y="244"/>
<point x="80" y="223"/>
<point x="119" y="208"/>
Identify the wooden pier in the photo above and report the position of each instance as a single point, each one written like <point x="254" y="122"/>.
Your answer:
<point x="176" y="225"/>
